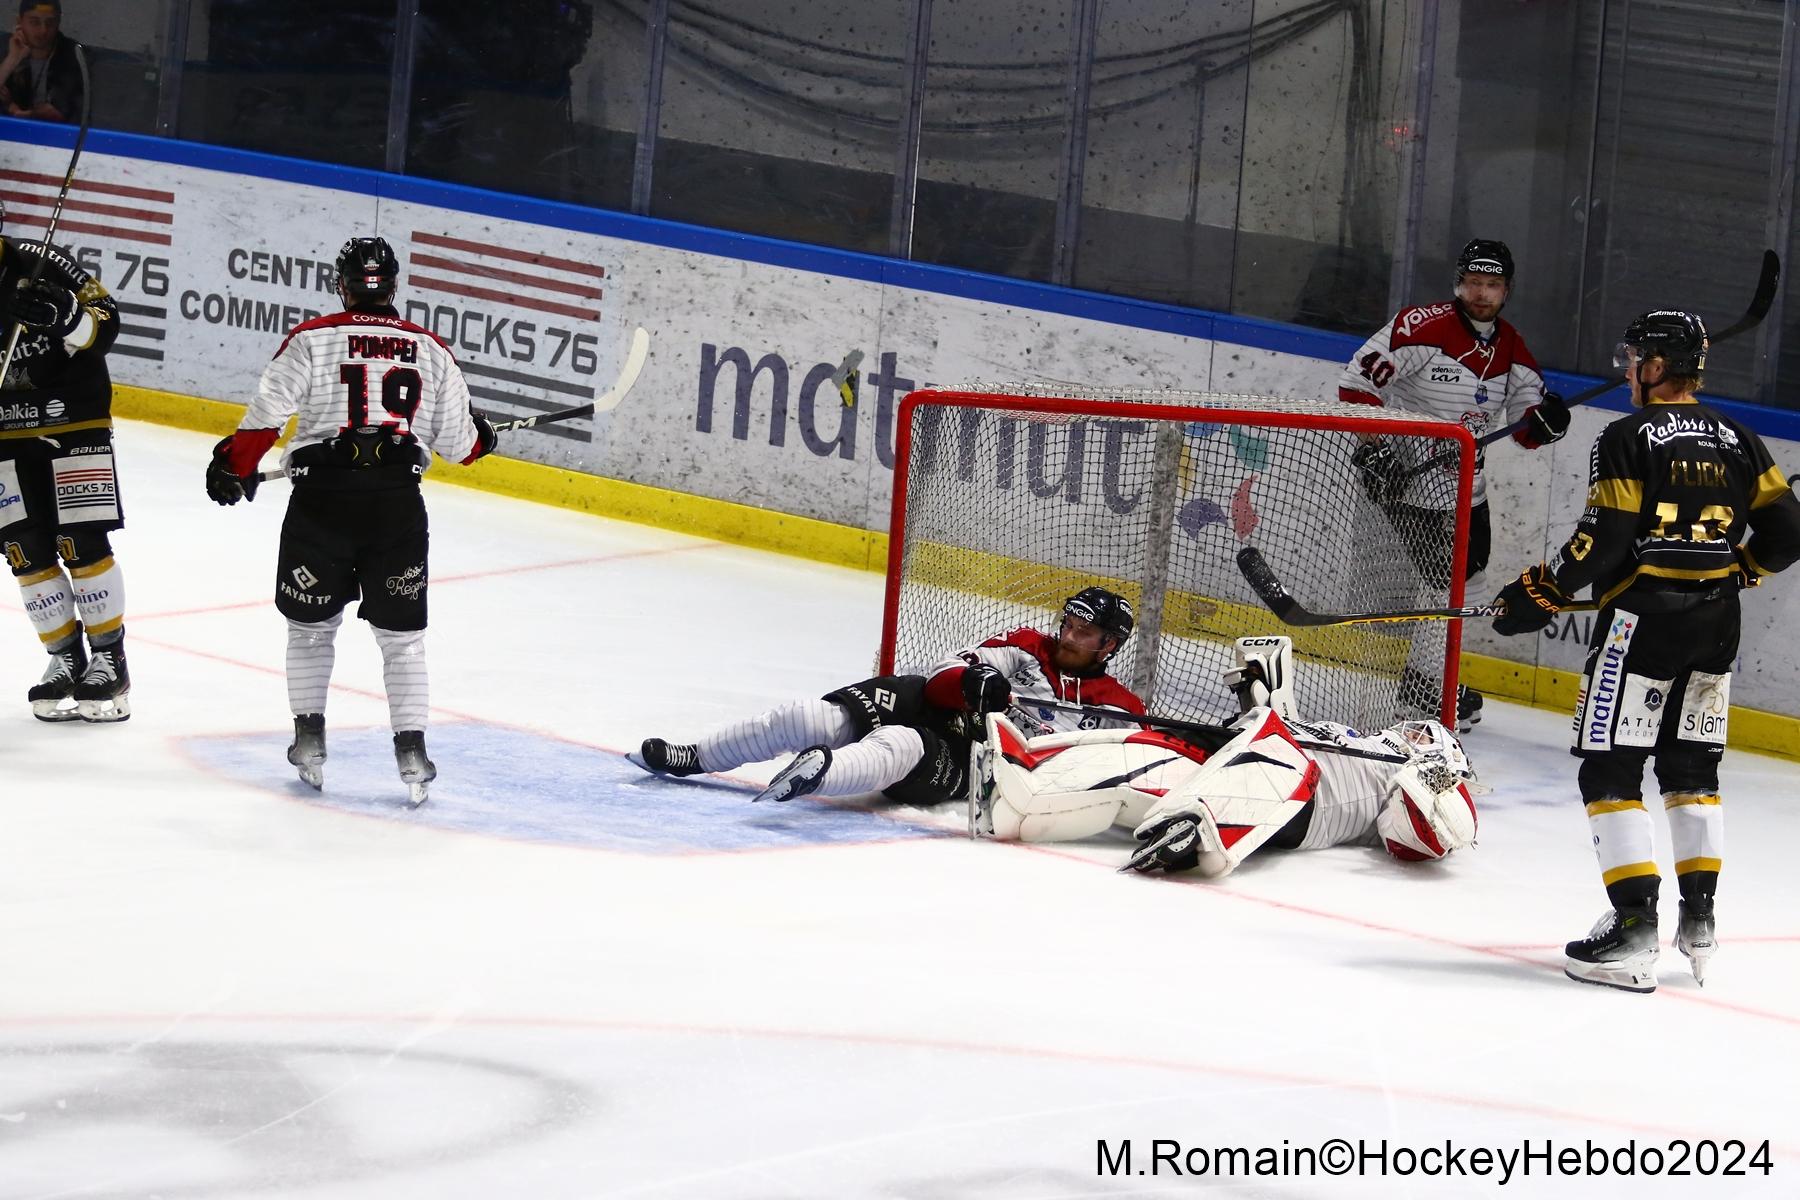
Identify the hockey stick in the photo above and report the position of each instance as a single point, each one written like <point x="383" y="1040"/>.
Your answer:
<point x="846" y="377"/>
<point x="1213" y="731"/>
<point x="1270" y="591"/>
<point x="1766" y="284"/>
<point x="37" y="270"/>
<point x="604" y="403"/>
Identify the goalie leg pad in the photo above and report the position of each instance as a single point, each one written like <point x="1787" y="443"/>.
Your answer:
<point x="1250" y="788"/>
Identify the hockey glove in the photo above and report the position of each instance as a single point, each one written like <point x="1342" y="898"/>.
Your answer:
<point x="1749" y="573"/>
<point x="1546" y="422"/>
<point x="1172" y="845"/>
<point x="46" y="308"/>
<point x="985" y="689"/>
<point x="1532" y="602"/>
<point x="1383" y="478"/>
<point x="223" y="486"/>
<point x="486" y="438"/>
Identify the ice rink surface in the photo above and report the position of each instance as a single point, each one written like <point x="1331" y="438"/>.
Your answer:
<point x="564" y="978"/>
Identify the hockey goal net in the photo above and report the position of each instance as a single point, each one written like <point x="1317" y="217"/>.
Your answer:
<point x="1008" y="500"/>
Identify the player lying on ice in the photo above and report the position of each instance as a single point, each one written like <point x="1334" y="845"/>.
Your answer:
<point x="1206" y="799"/>
<point x="909" y="736"/>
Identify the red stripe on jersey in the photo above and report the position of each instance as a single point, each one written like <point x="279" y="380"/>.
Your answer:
<point x="488" y="250"/>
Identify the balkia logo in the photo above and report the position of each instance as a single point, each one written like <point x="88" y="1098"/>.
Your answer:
<point x="18" y="412"/>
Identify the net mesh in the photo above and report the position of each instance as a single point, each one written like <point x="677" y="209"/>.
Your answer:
<point x="1005" y="511"/>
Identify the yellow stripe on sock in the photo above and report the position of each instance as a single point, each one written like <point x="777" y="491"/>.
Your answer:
<point x="37" y="577"/>
<point x="66" y="629"/>
<point x="92" y="569"/>
<point x="1629" y="871"/>
<point x="105" y="627"/>
<point x="1596" y="807"/>
<point x="1689" y="865"/>
<point x="1680" y="798"/>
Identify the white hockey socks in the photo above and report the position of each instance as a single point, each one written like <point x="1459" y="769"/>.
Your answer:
<point x="1696" y="834"/>
<point x="100" y="598"/>
<point x="50" y="604"/>
<point x="311" y="651"/>
<point x="788" y="729"/>
<point x="403" y="670"/>
<point x="874" y="764"/>
<point x="1624" y="842"/>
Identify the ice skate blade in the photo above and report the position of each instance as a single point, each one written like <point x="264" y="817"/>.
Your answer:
<point x="1697" y="956"/>
<point x="55" y="711"/>
<point x="105" y="712"/>
<point x="312" y="775"/>
<point x="1640" y="979"/>
<point x="418" y="793"/>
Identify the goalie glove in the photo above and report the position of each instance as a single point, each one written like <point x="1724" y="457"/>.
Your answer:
<point x="1532" y="602"/>
<point x="222" y="484"/>
<point x="985" y="689"/>
<point x="46" y="308"/>
<point x="1383" y="478"/>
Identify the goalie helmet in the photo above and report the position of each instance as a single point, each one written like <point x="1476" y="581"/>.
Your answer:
<point x="1109" y="611"/>
<point x="1483" y="256"/>
<point x="1678" y="338"/>
<point x="367" y="269"/>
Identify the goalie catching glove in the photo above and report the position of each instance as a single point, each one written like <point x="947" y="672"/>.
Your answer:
<point x="1532" y="602"/>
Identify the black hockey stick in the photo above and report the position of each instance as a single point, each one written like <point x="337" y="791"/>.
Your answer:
<point x="1269" y="589"/>
<point x="1217" y="735"/>
<point x="606" y="402"/>
<point x="1766" y="284"/>
<point x="37" y="269"/>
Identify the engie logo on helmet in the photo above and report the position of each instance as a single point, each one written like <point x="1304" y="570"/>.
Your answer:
<point x="1485" y="266"/>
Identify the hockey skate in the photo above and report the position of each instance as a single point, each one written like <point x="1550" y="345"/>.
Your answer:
<point x="53" y="697"/>
<point x="800" y="777"/>
<point x="104" y="693"/>
<point x="1620" y="952"/>
<point x="307" y="753"/>
<point x="416" y="771"/>
<point x="666" y="758"/>
<point x="1694" y="937"/>
<point x="1468" y="708"/>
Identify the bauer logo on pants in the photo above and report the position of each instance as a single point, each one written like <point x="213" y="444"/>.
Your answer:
<point x="85" y="489"/>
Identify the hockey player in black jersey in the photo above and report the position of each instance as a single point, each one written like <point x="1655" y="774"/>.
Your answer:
<point x="59" y="494"/>
<point x="1672" y="491"/>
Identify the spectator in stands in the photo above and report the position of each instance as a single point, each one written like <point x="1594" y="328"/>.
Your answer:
<point x="41" y="77"/>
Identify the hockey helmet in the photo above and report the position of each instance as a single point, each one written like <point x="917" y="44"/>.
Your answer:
<point x="1109" y="611"/>
<point x="367" y="269"/>
<point x="1678" y="338"/>
<point x="1484" y="256"/>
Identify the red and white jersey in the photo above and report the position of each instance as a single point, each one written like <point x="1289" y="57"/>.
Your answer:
<point x="363" y="368"/>
<point x="1024" y="657"/>
<point x="1431" y="361"/>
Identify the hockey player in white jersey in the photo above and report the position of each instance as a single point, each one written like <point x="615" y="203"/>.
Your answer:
<point x="1462" y="362"/>
<point x="1206" y="799"/>
<point x="375" y="394"/>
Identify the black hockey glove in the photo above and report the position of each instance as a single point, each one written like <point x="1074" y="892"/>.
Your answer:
<point x="486" y="438"/>
<point x="221" y="484"/>
<point x="985" y="689"/>
<point x="1749" y="576"/>
<point x="1383" y="478"/>
<point x="1532" y="602"/>
<point x="1171" y="845"/>
<point x="1548" y="421"/>
<point x="46" y="308"/>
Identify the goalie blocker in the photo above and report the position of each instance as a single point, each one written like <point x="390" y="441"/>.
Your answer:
<point x="1208" y="803"/>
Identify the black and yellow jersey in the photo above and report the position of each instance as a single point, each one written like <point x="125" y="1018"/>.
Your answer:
<point x="53" y="385"/>
<point x="1672" y="489"/>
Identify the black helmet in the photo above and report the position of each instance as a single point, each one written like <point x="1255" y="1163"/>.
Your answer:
<point x="367" y="269"/>
<point x="1108" y="610"/>
<point x="1678" y="338"/>
<point x="1484" y="256"/>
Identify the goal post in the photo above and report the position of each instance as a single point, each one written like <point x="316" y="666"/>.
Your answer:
<point x="1009" y="499"/>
